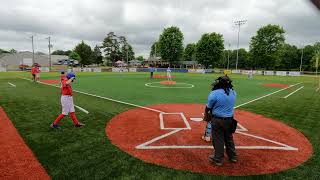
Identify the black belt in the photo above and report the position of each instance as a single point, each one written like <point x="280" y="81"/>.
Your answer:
<point x="223" y="118"/>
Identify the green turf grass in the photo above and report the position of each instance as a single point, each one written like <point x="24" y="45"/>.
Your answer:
<point x="88" y="154"/>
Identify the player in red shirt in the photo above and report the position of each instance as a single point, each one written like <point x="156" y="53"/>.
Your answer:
<point x="67" y="102"/>
<point x="34" y="72"/>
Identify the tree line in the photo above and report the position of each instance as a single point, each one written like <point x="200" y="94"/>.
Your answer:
<point x="114" y="47"/>
<point x="268" y="50"/>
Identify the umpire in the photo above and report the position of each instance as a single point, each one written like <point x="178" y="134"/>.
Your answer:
<point x="220" y="107"/>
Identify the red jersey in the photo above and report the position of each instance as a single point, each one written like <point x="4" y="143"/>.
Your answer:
<point x="37" y="70"/>
<point x="66" y="89"/>
<point x="34" y="70"/>
<point x="62" y="76"/>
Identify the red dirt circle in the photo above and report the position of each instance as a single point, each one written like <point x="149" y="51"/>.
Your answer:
<point x="168" y="82"/>
<point x="170" y="136"/>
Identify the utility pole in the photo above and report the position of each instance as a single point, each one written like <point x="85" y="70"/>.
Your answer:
<point x="239" y="23"/>
<point x="228" y="55"/>
<point x="49" y="46"/>
<point x="32" y="50"/>
<point x="301" y="60"/>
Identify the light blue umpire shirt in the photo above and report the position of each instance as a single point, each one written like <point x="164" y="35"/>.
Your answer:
<point x="222" y="105"/>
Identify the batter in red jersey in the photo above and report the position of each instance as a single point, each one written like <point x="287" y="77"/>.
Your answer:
<point x="67" y="102"/>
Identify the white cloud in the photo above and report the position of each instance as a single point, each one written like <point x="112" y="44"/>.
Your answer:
<point x="141" y="21"/>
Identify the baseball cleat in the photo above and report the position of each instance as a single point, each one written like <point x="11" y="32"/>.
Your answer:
<point x="55" y="126"/>
<point x="79" y="125"/>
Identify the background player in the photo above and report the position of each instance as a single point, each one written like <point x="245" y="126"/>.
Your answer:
<point x="37" y="72"/>
<point x="67" y="102"/>
<point x="34" y="72"/>
<point x="169" y="74"/>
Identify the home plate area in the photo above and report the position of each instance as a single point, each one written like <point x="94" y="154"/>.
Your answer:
<point x="172" y="138"/>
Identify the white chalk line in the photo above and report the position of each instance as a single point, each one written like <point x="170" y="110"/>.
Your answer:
<point x="101" y="97"/>
<point x="12" y="84"/>
<point x="293" y="92"/>
<point x="82" y="109"/>
<point x="266" y="95"/>
<point x="144" y="145"/>
<point x="168" y="87"/>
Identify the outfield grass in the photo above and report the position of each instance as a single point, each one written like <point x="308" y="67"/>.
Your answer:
<point x="88" y="154"/>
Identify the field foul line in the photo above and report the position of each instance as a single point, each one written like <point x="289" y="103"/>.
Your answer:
<point x="81" y="109"/>
<point x="101" y="97"/>
<point x="293" y="92"/>
<point x="12" y="84"/>
<point x="266" y="95"/>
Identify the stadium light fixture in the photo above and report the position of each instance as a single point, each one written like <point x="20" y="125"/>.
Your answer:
<point x="238" y="23"/>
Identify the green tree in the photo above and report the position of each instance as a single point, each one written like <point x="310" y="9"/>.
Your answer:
<point x="97" y="56"/>
<point x="209" y="49"/>
<point x="84" y="52"/>
<point x="190" y="52"/>
<point x="308" y="53"/>
<point x="155" y="51"/>
<point x="61" y="52"/>
<point x="58" y="52"/>
<point x="3" y="51"/>
<point x="111" y="46"/>
<point x="170" y="44"/>
<point x="74" y="55"/>
<point x="13" y="51"/>
<point x="265" y="47"/>
<point x="289" y="58"/>
<point x="127" y="52"/>
<point x="140" y="58"/>
<point x="314" y="60"/>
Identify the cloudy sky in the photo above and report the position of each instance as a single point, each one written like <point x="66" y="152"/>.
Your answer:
<point x="141" y="21"/>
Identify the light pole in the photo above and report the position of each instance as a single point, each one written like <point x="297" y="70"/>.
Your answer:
<point x="228" y="55"/>
<point x="239" y="23"/>
<point x="49" y="46"/>
<point x="32" y="50"/>
<point x="301" y="60"/>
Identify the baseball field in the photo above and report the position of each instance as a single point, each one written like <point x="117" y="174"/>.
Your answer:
<point x="138" y="128"/>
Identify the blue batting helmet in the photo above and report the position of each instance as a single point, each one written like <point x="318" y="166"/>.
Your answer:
<point x="70" y="75"/>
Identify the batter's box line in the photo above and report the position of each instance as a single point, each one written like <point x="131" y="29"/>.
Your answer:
<point x="281" y="146"/>
<point x="178" y="113"/>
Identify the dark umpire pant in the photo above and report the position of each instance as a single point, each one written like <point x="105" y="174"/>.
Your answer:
<point x="221" y="136"/>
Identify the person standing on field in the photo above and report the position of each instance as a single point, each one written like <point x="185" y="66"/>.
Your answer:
<point x="169" y="74"/>
<point x="37" y="73"/>
<point x="151" y="72"/>
<point x="34" y="73"/>
<point x="220" y="108"/>
<point x="67" y="102"/>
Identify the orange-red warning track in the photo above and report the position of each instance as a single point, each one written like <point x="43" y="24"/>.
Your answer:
<point x="16" y="159"/>
<point x="173" y="139"/>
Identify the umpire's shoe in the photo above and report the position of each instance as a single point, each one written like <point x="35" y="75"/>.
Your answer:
<point x="215" y="161"/>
